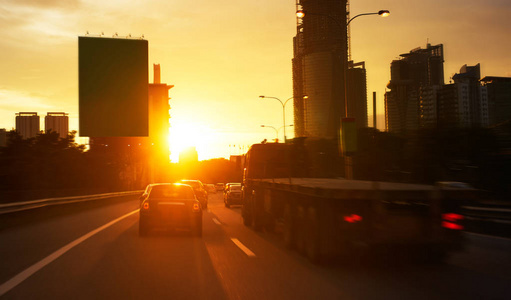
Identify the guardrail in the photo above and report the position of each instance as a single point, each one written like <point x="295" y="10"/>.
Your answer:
<point x="492" y="218"/>
<point x="26" y="205"/>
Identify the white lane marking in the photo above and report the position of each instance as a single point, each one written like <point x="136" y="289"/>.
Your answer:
<point x="488" y="236"/>
<point x="216" y="221"/>
<point x="13" y="282"/>
<point x="243" y="247"/>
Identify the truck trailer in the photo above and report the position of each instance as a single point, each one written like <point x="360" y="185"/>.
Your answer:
<point x="325" y="217"/>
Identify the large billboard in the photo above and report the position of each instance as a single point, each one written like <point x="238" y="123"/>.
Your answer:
<point x="113" y="87"/>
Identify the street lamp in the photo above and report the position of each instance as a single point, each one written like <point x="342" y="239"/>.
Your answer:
<point x="283" y="110"/>
<point x="382" y="13"/>
<point x="277" y="130"/>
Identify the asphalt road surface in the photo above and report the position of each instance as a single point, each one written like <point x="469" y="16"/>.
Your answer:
<point x="94" y="252"/>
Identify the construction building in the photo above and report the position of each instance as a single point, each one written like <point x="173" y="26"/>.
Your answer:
<point x="319" y="67"/>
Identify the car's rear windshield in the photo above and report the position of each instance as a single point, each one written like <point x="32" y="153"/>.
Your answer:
<point x="172" y="192"/>
<point x="235" y="187"/>
<point x="194" y="184"/>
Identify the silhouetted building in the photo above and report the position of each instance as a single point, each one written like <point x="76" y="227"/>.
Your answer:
<point x="428" y="106"/>
<point x="473" y="95"/>
<point x="357" y="93"/>
<point x="320" y="56"/>
<point x="27" y="124"/>
<point x="453" y="109"/>
<point x="464" y="103"/>
<point x="3" y="137"/>
<point x="499" y="98"/>
<point x="57" y="122"/>
<point x="416" y="70"/>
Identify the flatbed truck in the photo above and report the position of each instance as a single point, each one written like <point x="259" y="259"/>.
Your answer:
<point x="324" y="217"/>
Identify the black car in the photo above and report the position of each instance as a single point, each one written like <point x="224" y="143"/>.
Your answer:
<point x="200" y="191"/>
<point x="232" y="195"/>
<point x="170" y="206"/>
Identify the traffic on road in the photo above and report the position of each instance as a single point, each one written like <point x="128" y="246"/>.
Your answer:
<point x="96" y="252"/>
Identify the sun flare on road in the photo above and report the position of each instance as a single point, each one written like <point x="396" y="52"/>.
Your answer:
<point x="183" y="134"/>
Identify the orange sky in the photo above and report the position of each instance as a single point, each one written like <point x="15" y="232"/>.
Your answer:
<point x="221" y="55"/>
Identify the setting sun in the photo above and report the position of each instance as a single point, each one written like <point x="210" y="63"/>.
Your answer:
<point x="183" y="134"/>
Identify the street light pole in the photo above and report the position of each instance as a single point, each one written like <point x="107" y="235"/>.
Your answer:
<point x="283" y="110"/>
<point x="277" y="131"/>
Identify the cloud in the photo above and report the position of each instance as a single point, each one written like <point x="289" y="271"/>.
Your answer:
<point x="46" y="4"/>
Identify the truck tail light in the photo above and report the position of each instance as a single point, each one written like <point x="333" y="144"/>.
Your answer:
<point x="452" y="220"/>
<point x="353" y="218"/>
<point x="196" y="206"/>
<point x="145" y="206"/>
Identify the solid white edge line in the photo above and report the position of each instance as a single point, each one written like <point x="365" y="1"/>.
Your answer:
<point x="243" y="247"/>
<point x="13" y="282"/>
<point x="216" y="221"/>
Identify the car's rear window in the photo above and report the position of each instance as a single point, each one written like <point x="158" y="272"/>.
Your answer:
<point x="194" y="184"/>
<point x="235" y="187"/>
<point x="171" y="192"/>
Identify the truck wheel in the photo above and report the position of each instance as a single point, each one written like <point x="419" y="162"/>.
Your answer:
<point x="299" y="229"/>
<point x="312" y="235"/>
<point x="288" y="230"/>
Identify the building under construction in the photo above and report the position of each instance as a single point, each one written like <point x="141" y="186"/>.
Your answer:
<point x="319" y="64"/>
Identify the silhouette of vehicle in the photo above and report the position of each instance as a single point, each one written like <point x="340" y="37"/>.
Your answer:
<point x="227" y="185"/>
<point x="200" y="191"/>
<point x="170" y="206"/>
<point x="219" y="186"/>
<point x="210" y="188"/>
<point x="232" y="195"/>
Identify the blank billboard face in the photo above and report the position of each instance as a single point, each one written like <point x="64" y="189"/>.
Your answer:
<point x="113" y="87"/>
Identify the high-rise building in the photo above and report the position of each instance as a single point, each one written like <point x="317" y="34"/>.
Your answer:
<point x="499" y="98"/>
<point x="57" y="122"/>
<point x="464" y="103"/>
<point x="475" y="95"/>
<point x="27" y="124"/>
<point x="357" y="93"/>
<point x="320" y="56"/>
<point x="428" y="100"/>
<point x="420" y="68"/>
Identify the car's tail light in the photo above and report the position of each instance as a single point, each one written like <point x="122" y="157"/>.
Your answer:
<point x="353" y="218"/>
<point x="145" y="206"/>
<point x="452" y="221"/>
<point x="196" y="206"/>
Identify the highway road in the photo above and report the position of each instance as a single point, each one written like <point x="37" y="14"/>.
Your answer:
<point x="92" y="251"/>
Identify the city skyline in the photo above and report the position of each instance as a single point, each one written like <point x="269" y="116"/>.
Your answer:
<point x="221" y="57"/>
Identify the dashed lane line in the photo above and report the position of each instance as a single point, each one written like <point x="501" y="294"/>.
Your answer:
<point x="216" y="221"/>
<point x="13" y="282"/>
<point x="243" y="247"/>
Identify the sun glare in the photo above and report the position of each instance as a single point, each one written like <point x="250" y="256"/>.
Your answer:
<point x="183" y="135"/>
